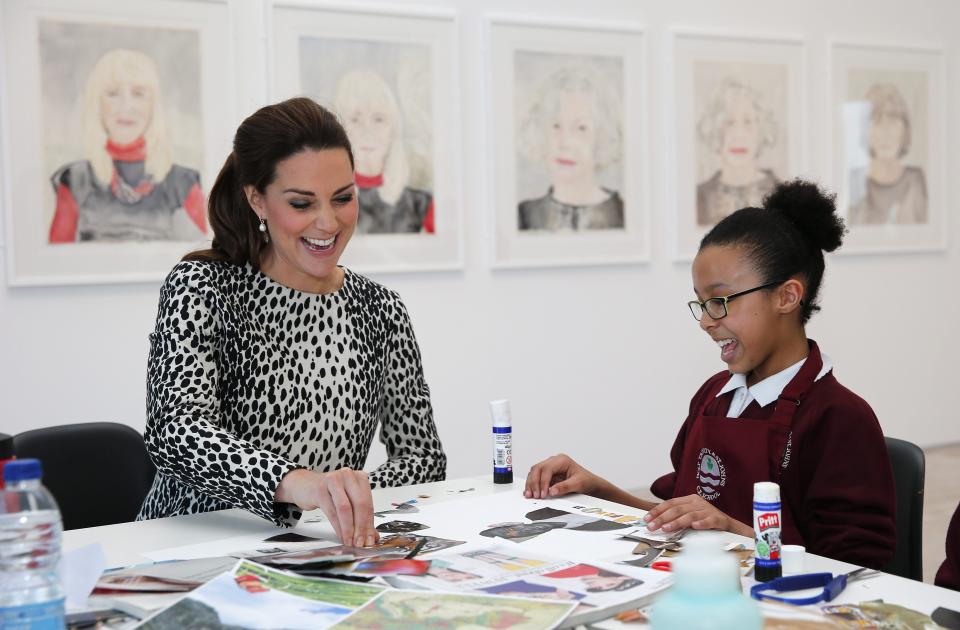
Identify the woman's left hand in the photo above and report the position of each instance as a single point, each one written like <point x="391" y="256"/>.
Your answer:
<point x="692" y="512"/>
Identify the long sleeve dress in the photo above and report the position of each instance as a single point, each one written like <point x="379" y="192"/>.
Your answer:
<point x="249" y="379"/>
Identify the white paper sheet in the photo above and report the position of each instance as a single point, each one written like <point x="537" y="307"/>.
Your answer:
<point x="79" y="571"/>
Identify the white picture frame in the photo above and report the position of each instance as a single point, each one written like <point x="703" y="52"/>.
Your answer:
<point x="893" y="199"/>
<point x="44" y="42"/>
<point x="540" y="69"/>
<point x="412" y="54"/>
<point x="755" y="86"/>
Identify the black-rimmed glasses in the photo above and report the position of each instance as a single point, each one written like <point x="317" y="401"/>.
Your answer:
<point x="716" y="307"/>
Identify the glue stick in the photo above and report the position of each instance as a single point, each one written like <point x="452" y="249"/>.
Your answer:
<point x="502" y="441"/>
<point x="766" y="529"/>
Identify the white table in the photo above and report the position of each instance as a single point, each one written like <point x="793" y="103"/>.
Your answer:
<point x="124" y="543"/>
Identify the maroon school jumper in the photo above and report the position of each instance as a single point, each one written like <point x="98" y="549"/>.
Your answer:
<point x="949" y="574"/>
<point x="820" y="441"/>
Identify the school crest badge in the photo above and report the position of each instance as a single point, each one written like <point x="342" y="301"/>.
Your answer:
<point x="711" y="474"/>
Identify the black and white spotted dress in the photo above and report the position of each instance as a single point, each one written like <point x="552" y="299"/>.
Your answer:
<point x="248" y="380"/>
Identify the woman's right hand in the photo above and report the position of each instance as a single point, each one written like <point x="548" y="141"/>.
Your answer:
<point x="344" y="497"/>
<point x="559" y="475"/>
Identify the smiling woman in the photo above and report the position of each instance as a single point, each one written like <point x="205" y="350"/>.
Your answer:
<point x="271" y="366"/>
<point x="573" y="129"/>
<point x="127" y="188"/>
<point x="737" y="127"/>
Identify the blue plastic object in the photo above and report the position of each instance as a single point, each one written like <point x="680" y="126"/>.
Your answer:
<point x="830" y="585"/>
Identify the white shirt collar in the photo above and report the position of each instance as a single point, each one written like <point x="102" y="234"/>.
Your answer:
<point x="770" y="388"/>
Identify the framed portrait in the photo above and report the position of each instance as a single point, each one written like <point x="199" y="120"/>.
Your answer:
<point x="889" y="154"/>
<point x="567" y="123"/>
<point x="739" y="126"/>
<point x="391" y="78"/>
<point x="115" y="125"/>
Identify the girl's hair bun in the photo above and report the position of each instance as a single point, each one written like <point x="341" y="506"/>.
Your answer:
<point x="811" y="210"/>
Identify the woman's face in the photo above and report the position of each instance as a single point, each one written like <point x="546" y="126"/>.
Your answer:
<point x="311" y="211"/>
<point x="604" y="582"/>
<point x="571" y="138"/>
<point x="886" y="135"/>
<point x="370" y="128"/>
<point x="126" y="109"/>
<point x="740" y="131"/>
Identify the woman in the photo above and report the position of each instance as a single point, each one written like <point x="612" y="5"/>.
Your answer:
<point x="127" y="188"/>
<point x="270" y="366"/>
<point x="369" y="110"/>
<point x="888" y="191"/>
<point x="737" y="128"/>
<point x="573" y="129"/>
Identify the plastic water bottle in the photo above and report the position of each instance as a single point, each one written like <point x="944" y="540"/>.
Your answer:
<point x="706" y="591"/>
<point x="31" y="597"/>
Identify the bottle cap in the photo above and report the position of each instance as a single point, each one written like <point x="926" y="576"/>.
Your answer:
<point x="703" y="567"/>
<point x="500" y="411"/>
<point x="6" y="446"/>
<point x="766" y="492"/>
<point x="22" y="470"/>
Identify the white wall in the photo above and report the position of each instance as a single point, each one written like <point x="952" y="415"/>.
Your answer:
<point x="598" y="362"/>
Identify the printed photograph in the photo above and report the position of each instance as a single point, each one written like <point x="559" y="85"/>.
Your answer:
<point x="415" y="610"/>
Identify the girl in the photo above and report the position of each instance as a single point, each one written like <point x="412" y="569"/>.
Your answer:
<point x="776" y="413"/>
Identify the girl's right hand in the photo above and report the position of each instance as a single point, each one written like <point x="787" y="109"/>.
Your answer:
<point x="559" y="475"/>
<point x="343" y="495"/>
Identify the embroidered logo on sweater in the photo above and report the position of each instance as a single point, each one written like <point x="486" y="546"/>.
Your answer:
<point x="711" y="474"/>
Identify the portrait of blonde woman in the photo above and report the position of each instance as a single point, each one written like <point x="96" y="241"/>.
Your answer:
<point x="735" y="128"/>
<point x="127" y="186"/>
<point x="887" y="190"/>
<point x="374" y="121"/>
<point x="570" y="132"/>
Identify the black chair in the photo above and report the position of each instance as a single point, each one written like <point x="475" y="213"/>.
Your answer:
<point x="908" y="465"/>
<point x="98" y="472"/>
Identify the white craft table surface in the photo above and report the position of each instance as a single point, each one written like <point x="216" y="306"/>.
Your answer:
<point x="123" y="544"/>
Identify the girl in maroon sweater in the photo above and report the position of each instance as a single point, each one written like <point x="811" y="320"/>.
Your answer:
<point x="776" y="413"/>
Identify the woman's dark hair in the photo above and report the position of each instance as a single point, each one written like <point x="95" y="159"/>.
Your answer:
<point x="270" y="135"/>
<point x="786" y="238"/>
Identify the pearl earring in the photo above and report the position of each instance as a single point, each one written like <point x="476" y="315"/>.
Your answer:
<point x="263" y="230"/>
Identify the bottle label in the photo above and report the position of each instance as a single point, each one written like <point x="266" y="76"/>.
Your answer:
<point x="502" y="450"/>
<point x="43" y="616"/>
<point x="766" y="527"/>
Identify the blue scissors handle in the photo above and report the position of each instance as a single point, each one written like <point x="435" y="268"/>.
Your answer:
<point x="831" y="585"/>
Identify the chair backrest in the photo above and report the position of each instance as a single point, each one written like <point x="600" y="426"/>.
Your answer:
<point x="98" y="472"/>
<point x="909" y="466"/>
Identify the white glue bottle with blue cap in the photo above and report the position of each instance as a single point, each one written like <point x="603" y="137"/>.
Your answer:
<point x="706" y="590"/>
<point x="502" y="441"/>
<point x="766" y="529"/>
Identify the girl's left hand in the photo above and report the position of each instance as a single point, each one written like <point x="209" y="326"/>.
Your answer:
<point x="692" y="512"/>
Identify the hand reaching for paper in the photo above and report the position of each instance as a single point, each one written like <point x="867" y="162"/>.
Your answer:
<point x="692" y="512"/>
<point x="344" y="497"/>
<point x="559" y="475"/>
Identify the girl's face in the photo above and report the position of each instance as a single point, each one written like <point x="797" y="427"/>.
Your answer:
<point x="370" y="129"/>
<point x="747" y="336"/>
<point x="886" y="135"/>
<point x="571" y="138"/>
<point x="311" y="212"/>
<point x="741" y="132"/>
<point x="126" y="108"/>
